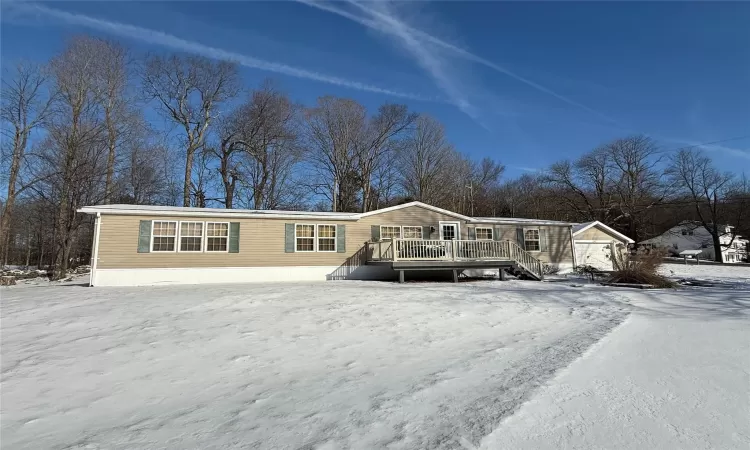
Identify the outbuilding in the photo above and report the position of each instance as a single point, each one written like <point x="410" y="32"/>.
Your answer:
<point x="594" y="242"/>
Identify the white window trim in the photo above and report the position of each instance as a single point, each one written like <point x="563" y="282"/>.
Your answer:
<point x="314" y="238"/>
<point x="335" y="238"/>
<point x="492" y="233"/>
<point x="539" y="240"/>
<point x="203" y="237"/>
<point x="205" y="244"/>
<point x="421" y="232"/>
<point x="449" y="222"/>
<point x="176" y="234"/>
<point x="400" y="231"/>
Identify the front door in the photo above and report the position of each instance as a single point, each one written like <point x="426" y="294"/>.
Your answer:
<point x="449" y="232"/>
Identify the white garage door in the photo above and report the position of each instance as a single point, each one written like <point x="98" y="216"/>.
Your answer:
<point x="593" y="254"/>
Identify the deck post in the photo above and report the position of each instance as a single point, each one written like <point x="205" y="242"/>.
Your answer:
<point x="393" y="250"/>
<point x="400" y="276"/>
<point x="380" y="249"/>
<point x="502" y="274"/>
<point x="455" y="276"/>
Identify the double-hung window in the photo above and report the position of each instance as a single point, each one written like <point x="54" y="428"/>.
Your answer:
<point x="217" y="236"/>
<point x="191" y="236"/>
<point x="304" y="238"/>
<point x="326" y="238"/>
<point x="389" y="232"/>
<point x="484" y="233"/>
<point x="163" y="236"/>
<point x="531" y="239"/>
<point x="410" y="232"/>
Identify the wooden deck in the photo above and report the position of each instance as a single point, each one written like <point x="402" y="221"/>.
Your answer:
<point x="456" y="255"/>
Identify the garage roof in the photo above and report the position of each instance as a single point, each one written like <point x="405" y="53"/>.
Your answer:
<point x="581" y="227"/>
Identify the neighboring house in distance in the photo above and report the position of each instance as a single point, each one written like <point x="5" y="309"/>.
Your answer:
<point x="146" y="245"/>
<point x="594" y="242"/>
<point x="694" y="236"/>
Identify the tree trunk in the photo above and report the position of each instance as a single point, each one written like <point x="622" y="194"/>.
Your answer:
<point x="188" y="176"/>
<point x="717" y="245"/>
<point x="111" y="140"/>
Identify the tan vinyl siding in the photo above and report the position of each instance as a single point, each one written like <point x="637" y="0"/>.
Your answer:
<point x="262" y="241"/>
<point x="415" y="216"/>
<point x="596" y="234"/>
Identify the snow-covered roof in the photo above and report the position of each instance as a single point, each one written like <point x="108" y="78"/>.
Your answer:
<point x="581" y="227"/>
<point x="516" y="220"/>
<point x="214" y="212"/>
<point x="258" y="213"/>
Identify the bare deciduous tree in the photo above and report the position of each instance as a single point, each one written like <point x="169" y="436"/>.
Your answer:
<point x="707" y="188"/>
<point x="110" y="82"/>
<point x="334" y="126"/>
<point x="372" y="148"/>
<point x="188" y="91"/>
<point x="72" y="150"/>
<point x="26" y="104"/>
<point x="425" y="160"/>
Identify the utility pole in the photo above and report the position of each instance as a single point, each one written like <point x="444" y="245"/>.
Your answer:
<point x="471" y="198"/>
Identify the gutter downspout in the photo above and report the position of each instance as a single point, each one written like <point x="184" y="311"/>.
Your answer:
<point x="573" y="247"/>
<point x="95" y="250"/>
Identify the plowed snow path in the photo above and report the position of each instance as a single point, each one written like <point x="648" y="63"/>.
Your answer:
<point x="329" y="365"/>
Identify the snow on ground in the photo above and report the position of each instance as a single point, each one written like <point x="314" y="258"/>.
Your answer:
<point x="375" y="365"/>
<point x="675" y="374"/>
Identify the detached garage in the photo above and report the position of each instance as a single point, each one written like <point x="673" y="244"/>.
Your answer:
<point x="594" y="241"/>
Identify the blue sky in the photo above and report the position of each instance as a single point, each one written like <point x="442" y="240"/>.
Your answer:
<point x="525" y="83"/>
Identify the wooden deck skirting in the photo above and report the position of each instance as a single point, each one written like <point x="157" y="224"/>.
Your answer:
<point x="456" y="255"/>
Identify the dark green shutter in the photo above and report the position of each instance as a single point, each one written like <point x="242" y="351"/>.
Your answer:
<point x="496" y="233"/>
<point x="289" y="238"/>
<point x="520" y="238"/>
<point x="543" y="240"/>
<point x="426" y="232"/>
<point x="234" y="237"/>
<point x="341" y="238"/>
<point x="144" y="237"/>
<point x="472" y="233"/>
<point x="375" y="230"/>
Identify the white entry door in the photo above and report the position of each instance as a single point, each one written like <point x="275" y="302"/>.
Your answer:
<point x="594" y="254"/>
<point x="448" y="231"/>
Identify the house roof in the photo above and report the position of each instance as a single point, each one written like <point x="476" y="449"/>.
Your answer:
<point x="420" y="204"/>
<point x="214" y="212"/>
<point x="256" y="213"/>
<point x="581" y="227"/>
<point x="516" y="220"/>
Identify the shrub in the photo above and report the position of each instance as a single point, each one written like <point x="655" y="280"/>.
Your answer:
<point x="589" y="271"/>
<point x="549" y="269"/>
<point x="641" y="267"/>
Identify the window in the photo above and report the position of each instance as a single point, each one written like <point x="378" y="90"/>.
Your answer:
<point x="304" y="238"/>
<point x="191" y="236"/>
<point x="217" y="236"/>
<point x="412" y="232"/>
<point x="531" y="240"/>
<point x="388" y="232"/>
<point x="484" y="234"/>
<point x="163" y="236"/>
<point x="326" y="238"/>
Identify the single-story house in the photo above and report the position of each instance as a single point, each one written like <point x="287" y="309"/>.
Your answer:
<point x="690" y="235"/>
<point x="594" y="242"/>
<point x="147" y="245"/>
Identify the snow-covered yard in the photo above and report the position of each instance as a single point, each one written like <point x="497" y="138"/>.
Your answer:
<point x="375" y="365"/>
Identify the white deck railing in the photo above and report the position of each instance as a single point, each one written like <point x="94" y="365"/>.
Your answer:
<point x="455" y="250"/>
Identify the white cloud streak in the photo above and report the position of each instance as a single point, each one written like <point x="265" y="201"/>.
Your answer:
<point x="175" y="43"/>
<point x="463" y="53"/>
<point x="424" y="55"/>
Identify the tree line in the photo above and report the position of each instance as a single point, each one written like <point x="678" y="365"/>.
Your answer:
<point x="79" y="130"/>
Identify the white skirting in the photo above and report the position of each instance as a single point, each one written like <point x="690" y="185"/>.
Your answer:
<point x="215" y="275"/>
